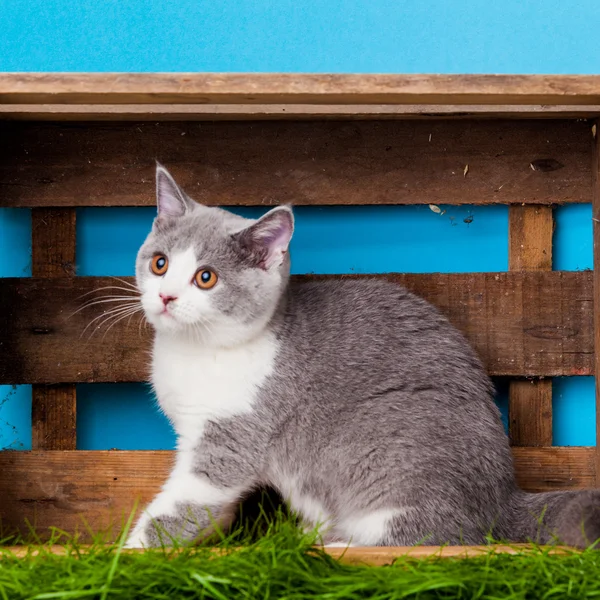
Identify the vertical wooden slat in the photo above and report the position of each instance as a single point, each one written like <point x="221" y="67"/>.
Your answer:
<point x="53" y="255"/>
<point x="596" y="221"/>
<point x="530" y="249"/>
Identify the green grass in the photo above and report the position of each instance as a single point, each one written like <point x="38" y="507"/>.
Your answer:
<point x="283" y="563"/>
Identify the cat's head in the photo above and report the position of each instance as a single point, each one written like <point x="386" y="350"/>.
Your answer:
<point x="208" y="273"/>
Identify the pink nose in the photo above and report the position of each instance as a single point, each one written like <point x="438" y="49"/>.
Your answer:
<point x="167" y="299"/>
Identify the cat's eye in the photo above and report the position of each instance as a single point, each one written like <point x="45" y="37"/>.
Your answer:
<point x="159" y="264"/>
<point x="205" y="279"/>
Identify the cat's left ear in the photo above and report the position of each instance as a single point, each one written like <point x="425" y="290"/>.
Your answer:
<point x="268" y="240"/>
<point x="170" y="199"/>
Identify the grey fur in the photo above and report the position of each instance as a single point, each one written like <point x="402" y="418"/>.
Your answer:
<point x="376" y="402"/>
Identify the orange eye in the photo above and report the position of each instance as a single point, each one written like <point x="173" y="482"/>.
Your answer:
<point x="205" y="279"/>
<point x="159" y="264"/>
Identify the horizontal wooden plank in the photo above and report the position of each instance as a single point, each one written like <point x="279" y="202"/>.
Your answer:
<point x="303" y="163"/>
<point x="375" y="556"/>
<point x="521" y="324"/>
<point x="283" y="88"/>
<point x="69" y="489"/>
<point x="250" y="112"/>
<point x="544" y="469"/>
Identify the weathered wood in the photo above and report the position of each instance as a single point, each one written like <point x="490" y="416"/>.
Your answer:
<point x="530" y="249"/>
<point x="553" y="336"/>
<point x="101" y="488"/>
<point x="354" y="555"/>
<point x="54" y="417"/>
<point x="53" y="408"/>
<point x="264" y="88"/>
<point x="554" y="468"/>
<point x="530" y="231"/>
<point x="381" y="556"/>
<point x="596" y="221"/>
<point x="530" y="412"/>
<point x="53" y="242"/>
<point x="303" y="163"/>
<point x="249" y="112"/>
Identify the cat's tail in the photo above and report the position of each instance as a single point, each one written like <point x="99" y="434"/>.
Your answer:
<point x="571" y="518"/>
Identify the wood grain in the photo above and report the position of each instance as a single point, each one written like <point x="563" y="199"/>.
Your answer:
<point x="249" y="112"/>
<point x="45" y="343"/>
<point x="355" y="555"/>
<point x="303" y="163"/>
<point x="556" y="467"/>
<point x="101" y="488"/>
<point x="54" y="417"/>
<point x="530" y="412"/>
<point x="53" y="408"/>
<point x="596" y="221"/>
<point x="381" y="556"/>
<point x="530" y="230"/>
<point x="264" y="88"/>
<point x="53" y="242"/>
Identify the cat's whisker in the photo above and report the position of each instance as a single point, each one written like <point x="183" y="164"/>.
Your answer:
<point x="144" y="321"/>
<point x="114" y="318"/>
<point x="131" y="286"/>
<point x="108" y="299"/>
<point x="117" y="321"/>
<point x="129" y="322"/>
<point x="105" y="300"/>
<point x="107" y="287"/>
<point x="108" y="314"/>
<point x="122" y="310"/>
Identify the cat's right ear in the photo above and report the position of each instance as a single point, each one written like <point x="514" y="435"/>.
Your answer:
<point x="170" y="199"/>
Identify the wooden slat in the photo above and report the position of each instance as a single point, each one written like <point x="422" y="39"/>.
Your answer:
<point x="249" y="112"/>
<point x="200" y="88"/>
<point x="553" y="337"/>
<point x="101" y="488"/>
<point x="530" y="412"/>
<point x="556" y="467"/>
<point x="53" y="409"/>
<point x="303" y="163"/>
<point x="54" y="417"/>
<point x="530" y="249"/>
<point x="381" y="556"/>
<point x="596" y="221"/>
<point x="53" y="242"/>
<point x="530" y="238"/>
<point x="375" y="556"/>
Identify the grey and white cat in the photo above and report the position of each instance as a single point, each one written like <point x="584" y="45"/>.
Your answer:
<point x="357" y="400"/>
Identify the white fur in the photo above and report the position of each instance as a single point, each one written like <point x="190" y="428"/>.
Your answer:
<point x="181" y="487"/>
<point x="195" y="383"/>
<point x="192" y="305"/>
<point x="367" y="529"/>
<point x="354" y="530"/>
<point x="310" y="509"/>
<point x="338" y="545"/>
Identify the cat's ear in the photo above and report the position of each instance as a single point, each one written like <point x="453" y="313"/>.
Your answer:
<point x="170" y="199"/>
<point x="267" y="240"/>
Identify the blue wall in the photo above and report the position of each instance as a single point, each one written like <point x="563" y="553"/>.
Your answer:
<point x="410" y="36"/>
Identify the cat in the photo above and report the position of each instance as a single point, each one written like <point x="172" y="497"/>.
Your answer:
<point x="355" y="399"/>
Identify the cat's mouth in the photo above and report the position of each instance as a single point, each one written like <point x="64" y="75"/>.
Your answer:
<point x="166" y="314"/>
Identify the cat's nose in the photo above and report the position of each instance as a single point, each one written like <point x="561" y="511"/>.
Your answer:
<point x="166" y="299"/>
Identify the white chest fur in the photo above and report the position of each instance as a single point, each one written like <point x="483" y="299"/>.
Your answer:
<point x="195" y="384"/>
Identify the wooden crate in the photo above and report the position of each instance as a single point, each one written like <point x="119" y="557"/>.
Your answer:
<point x="74" y="140"/>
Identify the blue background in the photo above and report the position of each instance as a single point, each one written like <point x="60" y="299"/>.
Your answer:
<point x="395" y="36"/>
